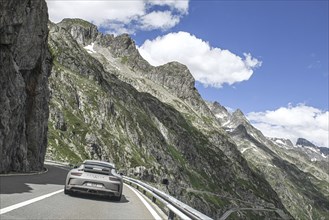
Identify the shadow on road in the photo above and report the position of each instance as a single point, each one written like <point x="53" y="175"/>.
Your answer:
<point x="98" y="198"/>
<point x="19" y="183"/>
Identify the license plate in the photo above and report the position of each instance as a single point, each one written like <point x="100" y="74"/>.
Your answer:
<point x="95" y="176"/>
<point x="94" y="185"/>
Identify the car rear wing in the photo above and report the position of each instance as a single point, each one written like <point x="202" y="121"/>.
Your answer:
<point x="97" y="169"/>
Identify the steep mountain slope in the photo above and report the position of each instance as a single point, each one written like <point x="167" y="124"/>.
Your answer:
<point x="301" y="184"/>
<point x="24" y="69"/>
<point x="108" y="103"/>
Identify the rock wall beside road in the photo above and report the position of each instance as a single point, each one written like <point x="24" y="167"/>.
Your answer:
<point x="25" y="64"/>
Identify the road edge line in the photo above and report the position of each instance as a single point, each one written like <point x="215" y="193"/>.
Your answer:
<point x="147" y="205"/>
<point x="45" y="170"/>
<point x="25" y="203"/>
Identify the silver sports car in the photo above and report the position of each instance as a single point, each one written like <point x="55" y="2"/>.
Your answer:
<point x="95" y="177"/>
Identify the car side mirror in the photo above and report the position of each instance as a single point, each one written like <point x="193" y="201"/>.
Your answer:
<point x="75" y="167"/>
<point x="165" y="182"/>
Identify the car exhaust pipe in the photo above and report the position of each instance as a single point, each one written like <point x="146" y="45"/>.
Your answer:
<point x="91" y="191"/>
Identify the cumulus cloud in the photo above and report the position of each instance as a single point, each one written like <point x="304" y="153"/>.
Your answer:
<point x="159" y="20"/>
<point x="181" y="6"/>
<point x="118" y="16"/>
<point x="210" y="66"/>
<point x="293" y="122"/>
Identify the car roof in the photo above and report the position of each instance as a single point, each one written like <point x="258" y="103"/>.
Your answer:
<point x="99" y="162"/>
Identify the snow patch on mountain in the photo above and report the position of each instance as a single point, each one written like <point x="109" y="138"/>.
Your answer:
<point x="90" y="48"/>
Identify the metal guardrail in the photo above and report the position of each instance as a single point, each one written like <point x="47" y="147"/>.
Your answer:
<point x="175" y="207"/>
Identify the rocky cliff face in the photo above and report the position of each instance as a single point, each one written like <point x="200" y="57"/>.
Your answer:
<point x="108" y="103"/>
<point x="25" y="67"/>
<point x="300" y="182"/>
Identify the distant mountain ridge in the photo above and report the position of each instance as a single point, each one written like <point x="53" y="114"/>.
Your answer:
<point x="283" y="164"/>
<point x="305" y="143"/>
<point x="283" y="142"/>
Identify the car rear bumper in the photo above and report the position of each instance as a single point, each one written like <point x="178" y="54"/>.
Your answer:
<point x="112" y="188"/>
<point x="92" y="190"/>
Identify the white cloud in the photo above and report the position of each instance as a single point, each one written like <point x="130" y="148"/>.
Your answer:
<point x="294" y="122"/>
<point x="117" y="28"/>
<point x="210" y="66"/>
<point x="95" y="11"/>
<point x="118" y="16"/>
<point x="180" y="5"/>
<point x="159" y="20"/>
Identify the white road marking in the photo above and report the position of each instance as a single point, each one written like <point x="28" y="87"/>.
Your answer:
<point x="147" y="205"/>
<point x="25" y="203"/>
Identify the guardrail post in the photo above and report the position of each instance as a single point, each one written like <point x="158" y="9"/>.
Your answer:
<point x="154" y="199"/>
<point x="171" y="215"/>
<point x="144" y="191"/>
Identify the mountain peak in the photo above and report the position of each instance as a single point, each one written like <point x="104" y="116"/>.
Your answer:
<point x="76" y="22"/>
<point x="82" y="31"/>
<point x="305" y="143"/>
<point x="124" y="46"/>
<point x="219" y="111"/>
<point x="176" y="77"/>
<point x="238" y="114"/>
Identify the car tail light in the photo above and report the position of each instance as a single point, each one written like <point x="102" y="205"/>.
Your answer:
<point x="113" y="178"/>
<point x="76" y="174"/>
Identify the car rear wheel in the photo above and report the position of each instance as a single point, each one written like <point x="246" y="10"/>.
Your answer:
<point x="67" y="192"/>
<point x="116" y="198"/>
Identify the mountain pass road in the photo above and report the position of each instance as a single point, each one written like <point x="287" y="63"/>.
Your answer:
<point x="41" y="196"/>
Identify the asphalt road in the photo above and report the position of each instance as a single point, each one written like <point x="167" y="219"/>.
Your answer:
<point x="41" y="197"/>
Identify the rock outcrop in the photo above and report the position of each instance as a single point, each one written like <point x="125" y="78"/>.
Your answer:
<point x="25" y="67"/>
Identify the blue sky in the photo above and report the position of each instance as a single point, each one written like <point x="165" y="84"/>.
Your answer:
<point x="291" y="40"/>
<point x="267" y="58"/>
<point x="289" y="37"/>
